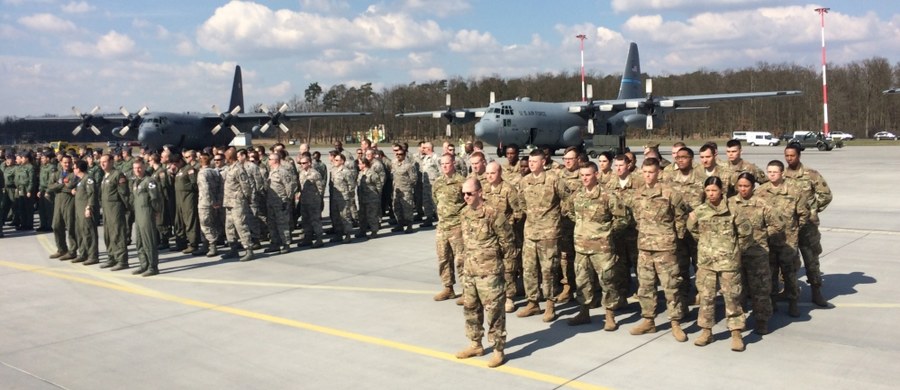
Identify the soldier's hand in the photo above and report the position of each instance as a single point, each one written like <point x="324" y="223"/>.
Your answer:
<point x="87" y="213"/>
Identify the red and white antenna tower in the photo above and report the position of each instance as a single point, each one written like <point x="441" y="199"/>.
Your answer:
<point x="582" y="37"/>
<point x="825" y="132"/>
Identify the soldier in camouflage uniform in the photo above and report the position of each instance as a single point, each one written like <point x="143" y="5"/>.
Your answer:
<point x="343" y="191"/>
<point x="818" y="198"/>
<point x="257" y="184"/>
<point x="754" y="219"/>
<point x="145" y="201"/>
<point x="369" y="184"/>
<point x="719" y="261"/>
<point x="45" y="201"/>
<point x="505" y="198"/>
<point x="625" y="184"/>
<point x="478" y="165"/>
<point x="569" y="179"/>
<point x="484" y="286"/>
<point x="659" y="213"/>
<point x="64" y="211"/>
<point x="511" y="166"/>
<point x="114" y="199"/>
<point x="281" y="190"/>
<point x="26" y="188"/>
<point x="789" y="208"/>
<point x="597" y="213"/>
<point x="430" y="166"/>
<point x="737" y="165"/>
<point x="311" y="190"/>
<point x="238" y="193"/>
<point x="86" y="212"/>
<point x="403" y="175"/>
<point x="209" y="202"/>
<point x="542" y="194"/>
<point x="687" y="179"/>
<point x="448" y="202"/>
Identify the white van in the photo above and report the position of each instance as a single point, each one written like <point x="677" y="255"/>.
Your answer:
<point x="739" y="135"/>
<point x="755" y="138"/>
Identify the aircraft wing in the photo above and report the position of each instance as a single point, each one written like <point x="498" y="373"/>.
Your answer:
<point x="673" y="101"/>
<point x="449" y="114"/>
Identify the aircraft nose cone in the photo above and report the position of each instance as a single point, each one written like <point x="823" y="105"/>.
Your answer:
<point x="481" y="131"/>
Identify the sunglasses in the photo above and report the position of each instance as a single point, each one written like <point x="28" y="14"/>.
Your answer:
<point x="469" y="193"/>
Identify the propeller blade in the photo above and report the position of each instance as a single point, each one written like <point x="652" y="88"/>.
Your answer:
<point x="283" y="127"/>
<point x="264" y="128"/>
<point x="144" y="110"/>
<point x="606" y="107"/>
<point x="123" y="131"/>
<point x="667" y="103"/>
<point x="283" y="109"/>
<point x="236" y="110"/>
<point x="215" y="109"/>
<point x="95" y="110"/>
<point x="449" y="133"/>
<point x="235" y="130"/>
<point x="590" y="126"/>
<point x="216" y="129"/>
<point x="75" y="110"/>
<point x="649" y="86"/>
<point x="649" y="122"/>
<point x="95" y="130"/>
<point x="493" y="98"/>
<point x="123" y="111"/>
<point x="77" y="130"/>
<point x="590" y="91"/>
<point x="264" y="109"/>
<point x="448" y="100"/>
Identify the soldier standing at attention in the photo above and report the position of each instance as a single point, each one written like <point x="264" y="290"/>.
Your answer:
<point x="818" y="198"/>
<point x="737" y="165"/>
<point x="570" y="184"/>
<point x="754" y="220"/>
<point x="719" y="260"/>
<point x="541" y="191"/>
<point x="26" y="187"/>
<point x="625" y="184"/>
<point x="478" y="165"/>
<point x="2" y="185"/>
<point x="659" y="214"/>
<point x="430" y="165"/>
<point x="505" y="198"/>
<point x="448" y="201"/>
<point x="186" y="205"/>
<point x="280" y="194"/>
<point x="369" y="193"/>
<point x="342" y="195"/>
<point x="403" y="174"/>
<point x="209" y="202"/>
<point x="64" y="211"/>
<point x="238" y="195"/>
<point x="484" y="287"/>
<point x="687" y="180"/>
<point x="790" y="210"/>
<point x="145" y="198"/>
<point x="312" y="189"/>
<point x="86" y="212"/>
<point x="45" y="201"/>
<point x="114" y="199"/>
<point x="166" y="217"/>
<point x="8" y="195"/>
<point x="597" y="213"/>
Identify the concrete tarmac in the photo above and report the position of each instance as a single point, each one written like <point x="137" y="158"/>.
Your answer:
<point x="361" y="315"/>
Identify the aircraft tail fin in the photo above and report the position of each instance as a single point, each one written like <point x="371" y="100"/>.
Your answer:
<point x="631" y="78"/>
<point x="237" y="91"/>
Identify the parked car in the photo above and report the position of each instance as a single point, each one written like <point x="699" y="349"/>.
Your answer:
<point x="884" y="135"/>
<point x="811" y="139"/>
<point x="841" y="135"/>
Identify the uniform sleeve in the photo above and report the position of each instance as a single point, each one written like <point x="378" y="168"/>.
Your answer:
<point x="692" y="225"/>
<point x="823" y="193"/>
<point x="122" y="189"/>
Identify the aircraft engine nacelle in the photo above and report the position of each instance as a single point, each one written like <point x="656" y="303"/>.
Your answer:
<point x="571" y="136"/>
<point x="462" y="117"/>
<point x="255" y="130"/>
<point x="117" y="131"/>
<point x="640" y="120"/>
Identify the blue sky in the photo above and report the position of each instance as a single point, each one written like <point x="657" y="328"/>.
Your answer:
<point x="180" y="55"/>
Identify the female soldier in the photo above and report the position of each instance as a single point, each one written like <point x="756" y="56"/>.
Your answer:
<point x="718" y="259"/>
<point x="754" y="218"/>
<point x="605" y="173"/>
<point x="369" y="193"/>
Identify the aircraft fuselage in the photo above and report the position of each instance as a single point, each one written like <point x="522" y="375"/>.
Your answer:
<point x="524" y="122"/>
<point x="187" y="131"/>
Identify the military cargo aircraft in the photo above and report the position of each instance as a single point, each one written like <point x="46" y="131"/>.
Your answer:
<point x="192" y="130"/>
<point x="557" y="125"/>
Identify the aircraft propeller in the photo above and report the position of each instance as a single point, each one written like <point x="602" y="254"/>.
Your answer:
<point x="131" y="119"/>
<point x="227" y="117"/>
<point x="86" y="120"/>
<point x="649" y="106"/>
<point x="446" y="114"/>
<point x="274" y="118"/>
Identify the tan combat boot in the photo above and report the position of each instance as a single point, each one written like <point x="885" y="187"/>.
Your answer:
<point x="531" y="309"/>
<point x="793" y="310"/>
<point x="565" y="295"/>
<point x="610" y="321"/>
<point x="737" y="343"/>
<point x="550" y="312"/>
<point x="817" y="297"/>
<point x="648" y="326"/>
<point x="678" y="332"/>
<point x="473" y="350"/>
<point x="510" y="305"/>
<point x="705" y="338"/>
<point x="583" y="317"/>
<point x="498" y="359"/>
<point x="445" y="294"/>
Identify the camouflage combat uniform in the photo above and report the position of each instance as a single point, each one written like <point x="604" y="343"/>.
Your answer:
<point x="430" y="172"/>
<point x="597" y="213"/>
<point x="754" y="219"/>
<point x="540" y="252"/>
<point x="506" y="200"/>
<point x="280" y="194"/>
<point x="403" y="175"/>
<point x="448" y="201"/>
<point x="369" y="184"/>
<point x="237" y="197"/>
<point x="570" y="183"/>
<point x="789" y="210"/>
<point x="626" y="238"/>
<point x="690" y="187"/>
<point x="312" y="189"/>
<point x="343" y="191"/>
<point x="818" y="196"/>
<point x="484" y="294"/>
<point x="209" y="200"/>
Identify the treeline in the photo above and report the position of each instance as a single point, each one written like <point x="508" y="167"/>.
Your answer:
<point x="856" y="103"/>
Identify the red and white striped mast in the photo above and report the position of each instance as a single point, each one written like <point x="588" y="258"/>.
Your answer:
<point x="822" y="11"/>
<point x="582" y="37"/>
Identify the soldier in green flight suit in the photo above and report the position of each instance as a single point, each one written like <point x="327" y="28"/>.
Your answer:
<point x="145" y="201"/>
<point x="186" y="204"/>
<point x="26" y="188"/>
<point x="45" y="201"/>
<point x="8" y="193"/>
<point x="114" y="201"/>
<point x="60" y="188"/>
<point x="86" y="213"/>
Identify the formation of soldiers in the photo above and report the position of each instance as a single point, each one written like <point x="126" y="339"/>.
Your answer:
<point x="601" y="232"/>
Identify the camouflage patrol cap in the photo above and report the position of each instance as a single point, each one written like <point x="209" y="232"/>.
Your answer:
<point x="652" y="145"/>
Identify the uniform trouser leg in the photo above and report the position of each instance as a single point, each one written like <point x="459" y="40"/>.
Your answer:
<point x="403" y="206"/>
<point x="686" y="253"/>
<point x="311" y="219"/>
<point x="784" y="257"/>
<point x="71" y="227"/>
<point x="664" y="265"/>
<point x="567" y="254"/>
<point x="114" y="234"/>
<point x="59" y="231"/>
<point x="369" y="216"/>
<point x="757" y="278"/>
<point x="208" y="227"/>
<point x="191" y="225"/>
<point x="509" y="253"/>
<point x="427" y="201"/>
<point x="484" y="299"/>
<point x="540" y="263"/>
<point x="178" y="227"/>
<point x="237" y="227"/>
<point x="6" y="204"/>
<point x="731" y="294"/>
<point x="45" y="212"/>
<point x="588" y="265"/>
<point x="627" y="253"/>
<point x="147" y="241"/>
<point x="26" y="212"/>
<point x="279" y="219"/>
<point x="449" y="255"/>
<point x="810" y="249"/>
<point x="15" y="207"/>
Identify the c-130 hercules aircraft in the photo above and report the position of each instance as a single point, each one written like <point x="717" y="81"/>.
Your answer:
<point x="192" y="130"/>
<point x="558" y="125"/>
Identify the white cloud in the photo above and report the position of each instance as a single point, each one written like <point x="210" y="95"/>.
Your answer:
<point x="276" y="91"/>
<point x="426" y="74"/>
<point x="338" y="64"/>
<point x="622" y="6"/>
<point x="47" y="23"/>
<point x="77" y="7"/>
<point x="325" y="6"/>
<point x="471" y="40"/>
<point x="110" y="45"/>
<point x="439" y="8"/>
<point x="242" y="28"/>
<point x="185" y="47"/>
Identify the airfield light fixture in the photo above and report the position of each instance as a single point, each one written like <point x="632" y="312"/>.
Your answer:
<point x="822" y="11"/>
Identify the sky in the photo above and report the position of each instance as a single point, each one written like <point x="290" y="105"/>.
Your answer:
<point x="180" y="55"/>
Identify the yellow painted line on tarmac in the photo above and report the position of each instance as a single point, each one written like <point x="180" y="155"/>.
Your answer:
<point x="520" y="372"/>
<point x="868" y="305"/>
<point x="109" y="277"/>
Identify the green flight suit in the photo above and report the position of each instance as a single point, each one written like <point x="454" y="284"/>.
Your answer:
<point x="86" y="201"/>
<point x="145" y="200"/>
<point x="186" y="205"/>
<point x="45" y="201"/>
<point x="8" y="193"/>
<point x="114" y="192"/>
<point x="26" y="188"/>
<point x="60" y="188"/>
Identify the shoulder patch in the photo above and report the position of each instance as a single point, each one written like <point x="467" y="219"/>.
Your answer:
<point x="191" y="172"/>
<point x="151" y="185"/>
<point x="90" y="181"/>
